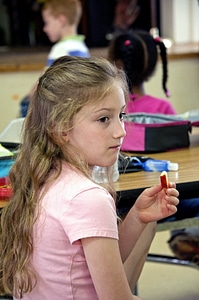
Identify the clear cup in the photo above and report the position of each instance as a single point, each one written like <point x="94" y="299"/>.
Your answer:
<point x="99" y="174"/>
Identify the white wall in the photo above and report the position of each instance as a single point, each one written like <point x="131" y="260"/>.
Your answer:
<point x="13" y="87"/>
<point x="183" y="84"/>
<point x="180" y="20"/>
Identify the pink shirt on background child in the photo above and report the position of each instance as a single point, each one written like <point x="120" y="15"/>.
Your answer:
<point x="73" y="208"/>
<point x="149" y="104"/>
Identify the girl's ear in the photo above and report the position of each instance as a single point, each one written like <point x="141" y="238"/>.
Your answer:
<point x="65" y="136"/>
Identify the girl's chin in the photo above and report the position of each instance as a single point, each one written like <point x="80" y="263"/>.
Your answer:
<point x="108" y="163"/>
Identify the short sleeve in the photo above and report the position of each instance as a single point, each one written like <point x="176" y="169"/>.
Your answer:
<point x="91" y="213"/>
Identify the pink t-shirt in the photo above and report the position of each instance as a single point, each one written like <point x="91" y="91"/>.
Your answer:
<point x="73" y="208"/>
<point x="149" y="104"/>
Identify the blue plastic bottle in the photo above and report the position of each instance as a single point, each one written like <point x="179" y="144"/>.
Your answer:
<point x="138" y="163"/>
<point x="159" y="165"/>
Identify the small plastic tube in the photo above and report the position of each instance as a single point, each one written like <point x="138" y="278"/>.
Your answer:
<point x="159" y="165"/>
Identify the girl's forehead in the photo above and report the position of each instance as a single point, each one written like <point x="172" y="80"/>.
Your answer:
<point x="114" y="99"/>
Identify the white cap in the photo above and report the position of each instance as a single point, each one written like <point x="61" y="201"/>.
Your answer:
<point x="172" y="166"/>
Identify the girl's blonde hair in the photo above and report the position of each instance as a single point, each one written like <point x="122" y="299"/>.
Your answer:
<point x="67" y="86"/>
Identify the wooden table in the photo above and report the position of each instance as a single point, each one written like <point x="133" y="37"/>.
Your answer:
<point x="130" y="185"/>
<point x="188" y="173"/>
<point x="187" y="159"/>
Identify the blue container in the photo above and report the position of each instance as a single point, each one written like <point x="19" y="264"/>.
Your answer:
<point x="5" y="165"/>
<point x="6" y="162"/>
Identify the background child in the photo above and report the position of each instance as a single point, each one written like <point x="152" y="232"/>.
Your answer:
<point x="61" y="19"/>
<point x="136" y="52"/>
<point x="59" y="222"/>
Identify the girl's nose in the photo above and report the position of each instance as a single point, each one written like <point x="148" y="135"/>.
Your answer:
<point x="119" y="130"/>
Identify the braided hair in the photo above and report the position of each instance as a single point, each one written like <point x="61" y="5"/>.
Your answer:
<point x="138" y="53"/>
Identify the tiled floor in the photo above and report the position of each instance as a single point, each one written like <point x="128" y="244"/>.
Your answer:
<point x="167" y="282"/>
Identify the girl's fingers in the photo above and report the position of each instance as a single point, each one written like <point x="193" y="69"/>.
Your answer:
<point x="172" y="192"/>
<point x="172" y="184"/>
<point x="172" y="200"/>
<point x="172" y="208"/>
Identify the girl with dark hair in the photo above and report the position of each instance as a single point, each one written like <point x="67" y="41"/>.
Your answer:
<point x="137" y="53"/>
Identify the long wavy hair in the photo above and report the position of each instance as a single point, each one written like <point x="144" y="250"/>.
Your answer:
<point x="67" y="86"/>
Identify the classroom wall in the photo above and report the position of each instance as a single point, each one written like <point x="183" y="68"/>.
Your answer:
<point x="13" y="87"/>
<point x="182" y="83"/>
<point x="179" y="20"/>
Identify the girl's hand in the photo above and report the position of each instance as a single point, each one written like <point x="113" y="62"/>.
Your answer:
<point x="156" y="203"/>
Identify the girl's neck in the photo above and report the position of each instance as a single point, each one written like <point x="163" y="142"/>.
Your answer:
<point x="138" y="90"/>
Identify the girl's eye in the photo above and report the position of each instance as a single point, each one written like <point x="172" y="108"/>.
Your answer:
<point x="103" y="119"/>
<point x="121" y="116"/>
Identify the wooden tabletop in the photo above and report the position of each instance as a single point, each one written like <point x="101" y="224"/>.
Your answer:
<point x="187" y="159"/>
<point x="188" y="172"/>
